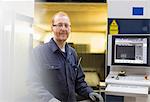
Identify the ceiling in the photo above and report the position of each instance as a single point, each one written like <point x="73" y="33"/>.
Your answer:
<point x="85" y="17"/>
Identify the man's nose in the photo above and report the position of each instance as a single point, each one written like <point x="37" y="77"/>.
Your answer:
<point x="63" y="26"/>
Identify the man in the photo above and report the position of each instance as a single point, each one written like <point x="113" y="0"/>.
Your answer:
<point x="57" y="73"/>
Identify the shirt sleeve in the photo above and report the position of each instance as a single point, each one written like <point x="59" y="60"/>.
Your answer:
<point x="81" y="86"/>
<point x="34" y="84"/>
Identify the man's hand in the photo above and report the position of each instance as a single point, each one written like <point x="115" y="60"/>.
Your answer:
<point x="54" y="100"/>
<point x="96" y="97"/>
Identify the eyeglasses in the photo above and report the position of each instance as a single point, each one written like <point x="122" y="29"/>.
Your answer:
<point x="60" y="25"/>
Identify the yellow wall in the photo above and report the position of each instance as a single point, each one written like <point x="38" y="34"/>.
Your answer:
<point x="96" y="41"/>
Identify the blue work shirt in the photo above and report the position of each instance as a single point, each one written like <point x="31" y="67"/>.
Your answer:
<point x="57" y="74"/>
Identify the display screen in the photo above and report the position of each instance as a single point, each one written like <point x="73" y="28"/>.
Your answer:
<point x="125" y="52"/>
<point x="130" y="50"/>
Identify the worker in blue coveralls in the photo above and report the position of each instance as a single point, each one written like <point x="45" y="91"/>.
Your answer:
<point x="56" y="74"/>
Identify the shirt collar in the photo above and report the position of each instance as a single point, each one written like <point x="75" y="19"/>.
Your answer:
<point x="52" y="44"/>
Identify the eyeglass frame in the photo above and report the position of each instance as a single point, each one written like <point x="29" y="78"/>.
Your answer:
<point x="60" y="25"/>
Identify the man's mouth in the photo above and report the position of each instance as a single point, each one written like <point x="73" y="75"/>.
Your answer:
<point x="63" y="33"/>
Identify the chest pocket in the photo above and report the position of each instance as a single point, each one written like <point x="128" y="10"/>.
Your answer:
<point x="52" y="70"/>
<point x="52" y="66"/>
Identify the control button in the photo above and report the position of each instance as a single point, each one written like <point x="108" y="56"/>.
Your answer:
<point x="112" y="77"/>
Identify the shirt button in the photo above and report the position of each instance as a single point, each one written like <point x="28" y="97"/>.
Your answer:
<point x="52" y="67"/>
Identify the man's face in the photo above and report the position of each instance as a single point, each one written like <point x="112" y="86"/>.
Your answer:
<point x="61" y="28"/>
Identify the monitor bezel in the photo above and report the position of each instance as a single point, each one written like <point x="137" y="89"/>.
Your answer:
<point x="130" y="36"/>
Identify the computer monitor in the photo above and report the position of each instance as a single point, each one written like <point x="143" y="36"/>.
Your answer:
<point x="130" y="49"/>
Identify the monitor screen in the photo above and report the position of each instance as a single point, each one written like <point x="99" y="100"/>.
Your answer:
<point x="123" y="52"/>
<point x="130" y="50"/>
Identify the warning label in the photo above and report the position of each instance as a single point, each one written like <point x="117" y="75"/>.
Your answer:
<point x="113" y="28"/>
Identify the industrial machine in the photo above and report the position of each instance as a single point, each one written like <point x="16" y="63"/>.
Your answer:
<point x="129" y="60"/>
<point x="128" y="55"/>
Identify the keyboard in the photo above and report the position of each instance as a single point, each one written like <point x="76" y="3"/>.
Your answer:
<point x="128" y="89"/>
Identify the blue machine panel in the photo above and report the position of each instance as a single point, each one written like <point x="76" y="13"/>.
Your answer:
<point x="138" y="11"/>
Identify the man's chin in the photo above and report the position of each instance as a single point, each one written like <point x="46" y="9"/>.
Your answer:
<point x="62" y="40"/>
